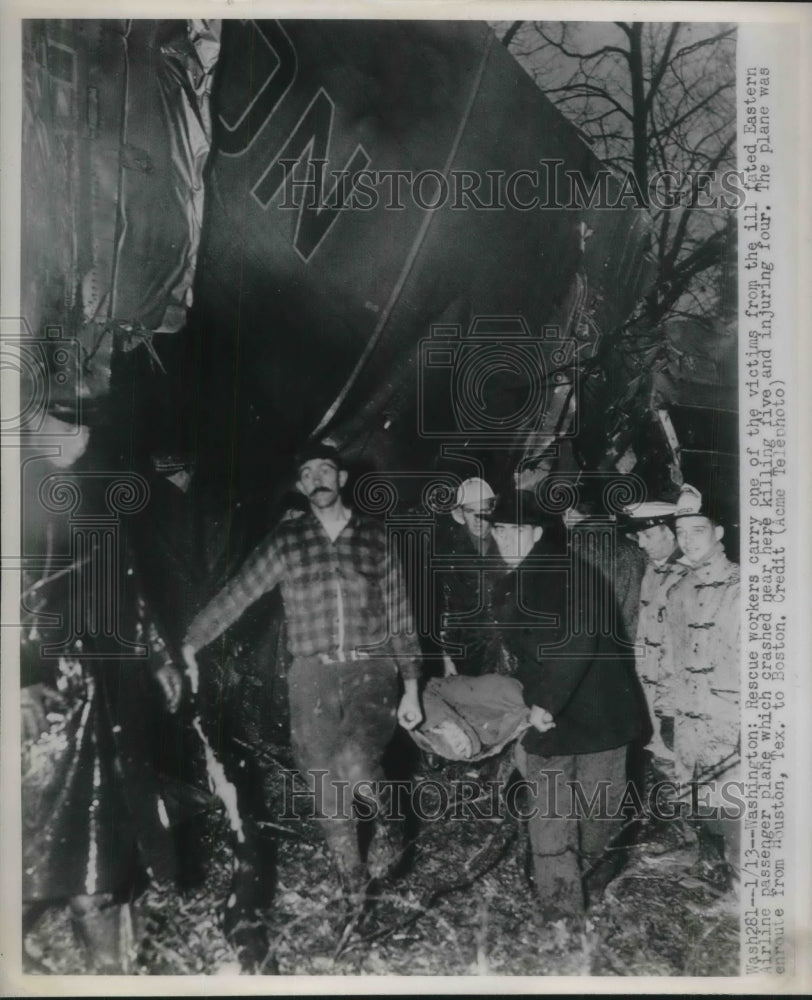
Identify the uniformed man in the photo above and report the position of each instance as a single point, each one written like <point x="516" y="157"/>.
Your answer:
<point x="653" y="525"/>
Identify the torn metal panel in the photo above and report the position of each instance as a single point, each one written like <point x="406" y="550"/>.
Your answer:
<point x="116" y="134"/>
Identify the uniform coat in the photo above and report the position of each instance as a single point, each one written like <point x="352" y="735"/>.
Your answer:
<point x="703" y="618"/>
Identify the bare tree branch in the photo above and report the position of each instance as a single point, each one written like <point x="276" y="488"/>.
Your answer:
<point x="664" y="63"/>
<point x="510" y="34"/>
<point x="657" y="104"/>
<point x="659" y="101"/>
<point x="584" y="56"/>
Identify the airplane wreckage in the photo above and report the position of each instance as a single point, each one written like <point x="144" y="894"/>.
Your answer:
<point x="239" y="236"/>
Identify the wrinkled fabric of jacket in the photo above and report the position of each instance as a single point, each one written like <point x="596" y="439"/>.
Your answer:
<point x="703" y="620"/>
<point x="655" y="655"/>
<point x="568" y="660"/>
<point x="467" y="582"/>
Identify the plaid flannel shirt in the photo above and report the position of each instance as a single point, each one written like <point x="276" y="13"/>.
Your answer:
<point x="340" y="597"/>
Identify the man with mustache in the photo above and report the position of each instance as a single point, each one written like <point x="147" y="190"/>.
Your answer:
<point x="349" y="632"/>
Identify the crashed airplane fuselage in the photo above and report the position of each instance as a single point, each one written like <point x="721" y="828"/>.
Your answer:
<point x="362" y="228"/>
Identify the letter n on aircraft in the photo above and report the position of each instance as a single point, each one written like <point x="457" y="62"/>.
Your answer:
<point x="300" y="162"/>
<point x="308" y="145"/>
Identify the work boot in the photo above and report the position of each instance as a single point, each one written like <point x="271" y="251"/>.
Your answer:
<point x="357" y="888"/>
<point x="250" y="940"/>
<point x="355" y="882"/>
<point x="570" y="919"/>
<point x="105" y="929"/>
<point x="711" y="865"/>
<point x="191" y="855"/>
<point x="390" y="852"/>
<point x="601" y="872"/>
<point x="250" y="894"/>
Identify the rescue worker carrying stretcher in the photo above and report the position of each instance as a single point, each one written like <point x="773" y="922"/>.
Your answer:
<point x="342" y="592"/>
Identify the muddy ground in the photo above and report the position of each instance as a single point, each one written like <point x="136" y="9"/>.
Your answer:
<point x="465" y="906"/>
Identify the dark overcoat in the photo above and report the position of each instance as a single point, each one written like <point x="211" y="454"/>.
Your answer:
<point x="555" y="613"/>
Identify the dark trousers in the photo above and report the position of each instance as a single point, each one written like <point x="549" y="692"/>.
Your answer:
<point x="566" y="844"/>
<point x="342" y="717"/>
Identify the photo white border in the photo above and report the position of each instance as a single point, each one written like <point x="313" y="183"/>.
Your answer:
<point x="759" y="16"/>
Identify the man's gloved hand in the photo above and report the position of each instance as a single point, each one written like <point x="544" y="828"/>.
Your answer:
<point x="541" y="719"/>
<point x="410" y="715"/>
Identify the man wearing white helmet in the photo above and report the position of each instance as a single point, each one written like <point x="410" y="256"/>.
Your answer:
<point x="703" y="619"/>
<point x="475" y="503"/>
<point x="473" y="647"/>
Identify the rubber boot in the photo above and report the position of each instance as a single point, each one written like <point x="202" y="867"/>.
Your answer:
<point x="390" y="852"/>
<point x="104" y="927"/>
<point x="250" y="894"/>
<point x="711" y="865"/>
<point x="356" y="886"/>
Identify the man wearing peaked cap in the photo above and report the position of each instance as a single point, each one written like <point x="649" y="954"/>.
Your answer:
<point x="649" y="514"/>
<point x="324" y="450"/>
<point x="703" y="623"/>
<point x="653" y="525"/>
<point x="699" y="533"/>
